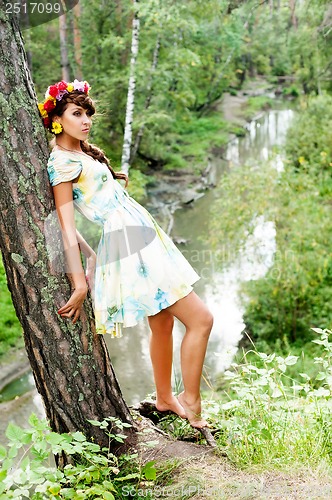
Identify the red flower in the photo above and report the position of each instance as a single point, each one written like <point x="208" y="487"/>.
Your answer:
<point x="49" y="105"/>
<point x="62" y="85"/>
<point x="53" y="90"/>
<point x="86" y="88"/>
<point x="47" y="122"/>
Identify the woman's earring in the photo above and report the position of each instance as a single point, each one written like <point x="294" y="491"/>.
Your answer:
<point x="56" y="128"/>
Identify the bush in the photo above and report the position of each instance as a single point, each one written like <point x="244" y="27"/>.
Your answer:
<point x="94" y="473"/>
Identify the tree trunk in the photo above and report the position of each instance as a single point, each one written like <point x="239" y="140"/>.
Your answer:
<point x="77" y="42"/>
<point x="292" y="6"/>
<point x="64" y="48"/>
<point x="131" y="93"/>
<point x="148" y="98"/>
<point x="70" y="363"/>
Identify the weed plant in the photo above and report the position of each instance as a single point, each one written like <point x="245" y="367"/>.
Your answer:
<point x="267" y="419"/>
<point x="95" y="473"/>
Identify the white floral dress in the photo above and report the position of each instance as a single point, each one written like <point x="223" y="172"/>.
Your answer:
<point x="139" y="270"/>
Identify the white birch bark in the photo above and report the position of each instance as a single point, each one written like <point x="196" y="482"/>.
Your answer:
<point x="77" y="42"/>
<point x="63" y="48"/>
<point x="131" y="93"/>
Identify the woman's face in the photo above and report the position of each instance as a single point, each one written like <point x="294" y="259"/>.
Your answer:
<point x="76" y="122"/>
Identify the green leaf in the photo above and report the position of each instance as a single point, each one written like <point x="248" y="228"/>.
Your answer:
<point x="54" y="438"/>
<point x="108" y="496"/>
<point x="2" y="489"/>
<point x="149" y="471"/>
<point x="321" y="376"/>
<point x="117" y="438"/>
<point x="95" y="448"/>
<point x="321" y="392"/>
<point x="3" y="475"/>
<point x="276" y="393"/>
<point x="67" y="493"/>
<point x="317" y="330"/>
<point x="79" y="436"/>
<point x="291" y="360"/>
<point x="12" y="453"/>
<point x="21" y="493"/>
<point x="54" y="489"/>
<point x="108" y="485"/>
<point x="265" y="433"/>
<point x="7" y="463"/>
<point x="126" y="478"/>
<point x="95" y="422"/>
<point x="3" y="452"/>
<point x="15" y="433"/>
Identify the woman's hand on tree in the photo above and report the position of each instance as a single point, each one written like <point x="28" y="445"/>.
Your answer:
<point x="73" y="308"/>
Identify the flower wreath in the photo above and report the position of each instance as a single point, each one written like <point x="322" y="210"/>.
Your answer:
<point x="55" y="93"/>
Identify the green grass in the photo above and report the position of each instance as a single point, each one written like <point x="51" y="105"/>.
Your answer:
<point x="193" y="140"/>
<point x="256" y="104"/>
<point x="273" y="412"/>
<point x="10" y="327"/>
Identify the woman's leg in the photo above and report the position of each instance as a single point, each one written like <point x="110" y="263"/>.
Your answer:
<point x="161" y="352"/>
<point x="198" y="320"/>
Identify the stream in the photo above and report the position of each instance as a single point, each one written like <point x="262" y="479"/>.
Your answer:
<point x="219" y="288"/>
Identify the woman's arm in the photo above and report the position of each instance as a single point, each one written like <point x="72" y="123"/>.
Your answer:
<point x="63" y="197"/>
<point x="91" y="259"/>
<point x="84" y="246"/>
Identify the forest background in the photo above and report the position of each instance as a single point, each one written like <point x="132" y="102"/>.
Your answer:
<point x="190" y="55"/>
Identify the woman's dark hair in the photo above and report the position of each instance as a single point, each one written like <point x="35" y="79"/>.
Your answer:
<point x="84" y="101"/>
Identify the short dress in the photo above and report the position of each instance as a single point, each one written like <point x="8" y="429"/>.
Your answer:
<point x="139" y="270"/>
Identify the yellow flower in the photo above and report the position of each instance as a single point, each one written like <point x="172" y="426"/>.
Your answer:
<point x="323" y="153"/>
<point x="70" y="87"/>
<point x="42" y="110"/>
<point x="56" y="128"/>
<point x="301" y="160"/>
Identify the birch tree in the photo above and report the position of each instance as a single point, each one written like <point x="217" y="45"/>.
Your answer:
<point x="64" y="48"/>
<point x="70" y="363"/>
<point x="127" y="140"/>
<point x="77" y="41"/>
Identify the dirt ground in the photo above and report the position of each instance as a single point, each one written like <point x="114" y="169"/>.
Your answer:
<point x="188" y="470"/>
<point x="215" y="478"/>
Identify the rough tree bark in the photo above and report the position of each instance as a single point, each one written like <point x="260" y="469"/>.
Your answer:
<point x="70" y="363"/>
<point x="131" y="93"/>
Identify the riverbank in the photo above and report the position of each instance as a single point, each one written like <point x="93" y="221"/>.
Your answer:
<point x="173" y="189"/>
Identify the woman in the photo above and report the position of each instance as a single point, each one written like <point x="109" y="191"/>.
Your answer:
<point x="137" y="271"/>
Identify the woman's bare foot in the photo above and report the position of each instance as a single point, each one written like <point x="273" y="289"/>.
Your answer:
<point x="172" y="404"/>
<point x="193" y="412"/>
